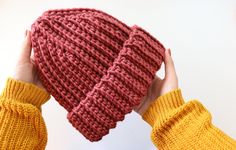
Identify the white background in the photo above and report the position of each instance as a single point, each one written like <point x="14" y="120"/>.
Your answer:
<point x="201" y="34"/>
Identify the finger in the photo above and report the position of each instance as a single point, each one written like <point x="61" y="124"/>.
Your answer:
<point x="155" y="81"/>
<point x="26" y="48"/>
<point x="157" y="78"/>
<point x="169" y="65"/>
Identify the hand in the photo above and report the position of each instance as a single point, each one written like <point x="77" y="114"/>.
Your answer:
<point x="160" y="86"/>
<point x="25" y="69"/>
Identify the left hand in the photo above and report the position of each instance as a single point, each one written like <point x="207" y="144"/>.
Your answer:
<point x="25" y="69"/>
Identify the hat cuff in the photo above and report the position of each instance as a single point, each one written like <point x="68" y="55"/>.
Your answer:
<point x="122" y="88"/>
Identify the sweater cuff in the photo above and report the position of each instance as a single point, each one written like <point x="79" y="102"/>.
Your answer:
<point x="24" y="92"/>
<point x="162" y="105"/>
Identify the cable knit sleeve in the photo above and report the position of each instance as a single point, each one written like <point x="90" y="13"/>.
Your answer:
<point x="177" y="125"/>
<point x="21" y="123"/>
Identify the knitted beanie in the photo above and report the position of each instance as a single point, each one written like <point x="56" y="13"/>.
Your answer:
<point x="95" y="66"/>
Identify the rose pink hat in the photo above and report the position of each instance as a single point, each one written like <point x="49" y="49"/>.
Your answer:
<point x="95" y="66"/>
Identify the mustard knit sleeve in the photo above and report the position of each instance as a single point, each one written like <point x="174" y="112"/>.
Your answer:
<point x="177" y="125"/>
<point x="21" y="124"/>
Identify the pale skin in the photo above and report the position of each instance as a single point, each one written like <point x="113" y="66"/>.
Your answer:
<point x="26" y="71"/>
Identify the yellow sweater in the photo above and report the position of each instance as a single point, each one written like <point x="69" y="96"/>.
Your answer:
<point x="175" y="125"/>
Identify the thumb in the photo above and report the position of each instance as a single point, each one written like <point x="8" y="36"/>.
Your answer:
<point x="169" y="65"/>
<point x="26" y="48"/>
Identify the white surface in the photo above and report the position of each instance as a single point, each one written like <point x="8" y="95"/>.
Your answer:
<point x="201" y="34"/>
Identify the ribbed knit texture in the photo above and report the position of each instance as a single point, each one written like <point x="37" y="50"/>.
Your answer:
<point x="94" y="65"/>
<point x="21" y="124"/>
<point x="184" y="126"/>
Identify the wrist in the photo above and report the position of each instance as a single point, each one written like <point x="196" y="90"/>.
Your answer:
<point x="162" y="105"/>
<point x="24" y="92"/>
